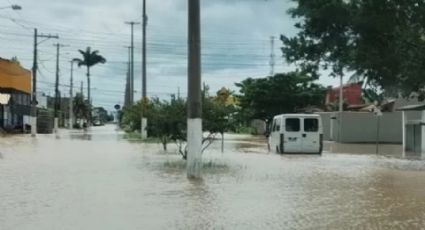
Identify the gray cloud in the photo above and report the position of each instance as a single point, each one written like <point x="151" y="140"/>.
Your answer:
<point x="235" y="41"/>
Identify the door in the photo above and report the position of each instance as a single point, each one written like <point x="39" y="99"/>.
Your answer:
<point x="292" y="135"/>
<point x="311" y="135"/>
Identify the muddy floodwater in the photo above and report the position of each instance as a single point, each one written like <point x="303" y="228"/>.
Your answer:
<point x="102" y="180"/>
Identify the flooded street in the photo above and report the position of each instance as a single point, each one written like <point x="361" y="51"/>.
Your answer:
<point x="104" y="181"/>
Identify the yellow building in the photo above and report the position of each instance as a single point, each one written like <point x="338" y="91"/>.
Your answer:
<point x="15" y="95"/>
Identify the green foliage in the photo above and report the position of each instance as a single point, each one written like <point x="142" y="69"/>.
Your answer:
<point x="167" y="119"/>
<point x="90" y="58"/>
<point x="371" y="96"/>
<point x="218" y="115"/>
<point x="264" y="98"/>
<point x="15" y="59"/>
<point x="382" y="41"/>
<point x="80" y="107"/>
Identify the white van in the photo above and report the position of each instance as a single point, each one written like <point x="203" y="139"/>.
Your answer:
<point x="296" y="133"/>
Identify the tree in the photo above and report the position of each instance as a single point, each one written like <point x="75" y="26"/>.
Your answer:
<point x="264" y="98"/>
<point x="167" y="120"/>
<point x="381" y="41"/>
<point x="80" y="107"/>
<point x="90" y="59"/>
<point x="168" y="123"/>
<point x="15" y="59"/>
<point x="218" y="113"/>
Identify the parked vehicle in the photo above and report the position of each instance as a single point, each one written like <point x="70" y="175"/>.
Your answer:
<point x="296" y="133"/>
<point x="98" y="123"/>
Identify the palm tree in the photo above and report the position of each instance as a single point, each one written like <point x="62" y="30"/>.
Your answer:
<point x="81" y="107"/>
<point x="89" y="59"/>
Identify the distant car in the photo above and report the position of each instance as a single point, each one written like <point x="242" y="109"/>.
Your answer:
<point x="98" y="123"/>
<point x="296" y="133"/>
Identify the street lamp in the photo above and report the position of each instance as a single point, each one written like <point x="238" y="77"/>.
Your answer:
<point x="13" y="7"/>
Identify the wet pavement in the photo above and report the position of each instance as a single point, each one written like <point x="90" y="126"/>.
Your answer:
<point x="101" y="180"/>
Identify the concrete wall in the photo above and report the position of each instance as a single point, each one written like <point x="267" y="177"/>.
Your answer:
<point x="358" y="127"/>
<point x="326" y="125"/>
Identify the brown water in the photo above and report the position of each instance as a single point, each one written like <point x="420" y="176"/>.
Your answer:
<point x="102" y="181"/>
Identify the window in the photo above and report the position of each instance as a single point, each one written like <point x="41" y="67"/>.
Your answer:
<point x="292" y="124"/>
<point x="311" y="125"/>
<point x="274" y="126"/>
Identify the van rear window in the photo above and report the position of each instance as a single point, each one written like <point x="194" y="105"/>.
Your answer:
<point x="292" y="125"/>
<point x="311" y="125"/>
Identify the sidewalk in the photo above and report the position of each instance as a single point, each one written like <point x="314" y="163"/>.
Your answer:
<point x="392" y="150"/>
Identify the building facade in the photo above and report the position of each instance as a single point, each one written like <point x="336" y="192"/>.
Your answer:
<point x="15" y="95"/>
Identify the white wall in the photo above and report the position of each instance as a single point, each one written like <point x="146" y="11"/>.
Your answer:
<point x="359" y="127"/>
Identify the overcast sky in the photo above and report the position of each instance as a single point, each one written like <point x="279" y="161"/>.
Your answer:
<point x="235" y="42"/>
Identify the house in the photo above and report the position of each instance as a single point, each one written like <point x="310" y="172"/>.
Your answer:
<point x="15" y="95"/>
<point x="352" y="94"/>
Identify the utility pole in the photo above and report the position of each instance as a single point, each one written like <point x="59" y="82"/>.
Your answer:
<point x="34" y="79"/>
<point x="71" y="97"/>
<point x="145" y="23"/>
<point x="272" y="56"/>
<point x="57" y="96"/>
<point x="143" y="121"/>
<point x="127" y="84"/>
<point x="132" y="61"/>
<point x="81" y="89"/>
<point x="194" y="119"/>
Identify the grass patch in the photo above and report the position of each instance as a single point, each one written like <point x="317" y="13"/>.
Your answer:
<point x="208" y="165"/>
<point x="138" y="136"/>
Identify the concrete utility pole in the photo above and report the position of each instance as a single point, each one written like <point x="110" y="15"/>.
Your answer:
<point x="34" y="80"/>
<point x="145" y="23"/>
<point x="57" y="96"/>
<point x="127" y="83"/>
<point x="71" y="97"/>
<point x="143" y="121"/>
<point x="132" y="61"/>
<point x="194" y="120"/>
<point x="81" y="89"/>
<point x="272" y="56"/>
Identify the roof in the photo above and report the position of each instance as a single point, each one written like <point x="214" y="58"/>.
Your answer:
<point x="417" y="107"/>
<point x="297" y="115"/>
<point x="13" y="76"/>
<point x="347" y="85"/>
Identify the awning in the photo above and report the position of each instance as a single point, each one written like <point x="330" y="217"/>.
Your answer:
<point x="4" y="99"/>
<point x="13" y="76"/>
<point x="418" y="107"/>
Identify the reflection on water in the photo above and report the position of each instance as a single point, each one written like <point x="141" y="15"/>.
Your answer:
<point x="99" y="180"/>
